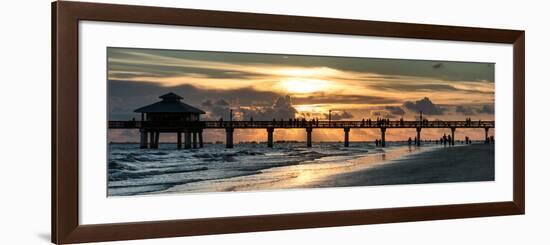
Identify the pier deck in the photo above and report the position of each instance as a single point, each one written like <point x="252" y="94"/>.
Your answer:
<point x="297" y="124"/>
<point x="194" y="129"/>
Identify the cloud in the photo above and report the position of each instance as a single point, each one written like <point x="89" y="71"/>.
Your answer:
<point x="425" y="106"/>
<point x="487" y="109"/>
<point x="382" y="114"/>
<point x="126" y="96"/>
<point x="466" y="110"/>
<point x="339" y="115"/>
<point x="478" y="87"/>
<point x="418" y="87"/>
<point x="207" y="103"/>
<point x="216" y="110"/>
<point x="344" y="99"/>
<point x="395" y="110"/>
<point x="125" y="63"/>
<point x="221" y="102"/>
<point x="282" y="108"/>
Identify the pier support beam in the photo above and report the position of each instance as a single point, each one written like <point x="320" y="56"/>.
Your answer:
<point x="187" y="140"/>
<point x="418" y="130"/>
<point x="179" y="140"/>
<point x="383" y="141"/>
<point x="194" y="140"/>
<point x="486" y="135"/>
<point x="201" y="145"/>
<point x="151" y="139"/>
<point x="229" y="137"/>
<point x="143" y="139"/>
<point x="453" y="136"/>
<point x="270" y="137"/>
<point x="346" y="137"/>
<point x="156" y="140"/>
<point x="308" y="136"/>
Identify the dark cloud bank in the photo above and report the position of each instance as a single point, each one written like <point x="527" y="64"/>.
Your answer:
<point x="425" y="106"/>
<point x="125" y="97"/>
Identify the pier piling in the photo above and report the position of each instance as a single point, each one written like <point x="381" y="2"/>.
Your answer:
<point x="270" y="137"/>
<point x="418" y="130"/>
<point x="143" y="139"/>
<point x="229" y="137"/>
<point x="194" y="140"/>
<point x="383" y="131"/>
<point x="308" y="138"/>
<point x="187" y="140"/>
<point x="151" y="139"/>
<point x="346" y="137"/>
<point x="201" y="145"/>
<point x="179" y="140"/>
<point x="156" y="140"/>
<point x="453" y="136"/>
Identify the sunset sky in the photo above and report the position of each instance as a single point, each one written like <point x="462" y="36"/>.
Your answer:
<point x="267" y="86"/>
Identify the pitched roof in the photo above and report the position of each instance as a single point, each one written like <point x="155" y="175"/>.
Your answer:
<point x="170" y="103"/>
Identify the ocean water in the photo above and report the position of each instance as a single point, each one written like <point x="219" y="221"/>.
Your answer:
<point x="134" y="171"/>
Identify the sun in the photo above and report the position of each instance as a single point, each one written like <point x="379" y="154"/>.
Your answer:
<point x="303" y="85"/>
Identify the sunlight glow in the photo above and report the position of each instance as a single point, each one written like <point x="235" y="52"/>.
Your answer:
<point x="304" y="86"/>
<point x="306" y="72"/>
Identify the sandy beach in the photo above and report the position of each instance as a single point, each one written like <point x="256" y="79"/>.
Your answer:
<point x="394" y="165"/>
<point x="451" y="164"/>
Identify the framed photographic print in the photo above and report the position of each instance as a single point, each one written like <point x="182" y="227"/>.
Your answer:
<point x="175" y="122"/>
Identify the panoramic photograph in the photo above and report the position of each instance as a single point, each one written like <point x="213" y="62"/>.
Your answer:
<point x="185" y="121"/>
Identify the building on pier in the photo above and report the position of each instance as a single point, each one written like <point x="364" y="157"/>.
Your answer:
<point x="170" y="115"/>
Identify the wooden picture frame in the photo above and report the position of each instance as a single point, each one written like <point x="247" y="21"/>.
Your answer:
<point x="65" y="125"/>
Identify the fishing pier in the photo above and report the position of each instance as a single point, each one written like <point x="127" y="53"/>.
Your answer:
<point x="173" y="116"/>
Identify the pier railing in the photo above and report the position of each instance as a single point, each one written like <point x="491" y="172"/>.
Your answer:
<point x="299" y="124"/>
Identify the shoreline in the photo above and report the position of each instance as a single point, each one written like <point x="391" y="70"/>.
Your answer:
<point x="308" y="174"/>
<point x="467" y="163"/>
<point x="393" y="165"/>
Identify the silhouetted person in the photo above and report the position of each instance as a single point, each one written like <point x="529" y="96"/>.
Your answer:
<point x="410" y="141"/>
<point x="445" y="139"/>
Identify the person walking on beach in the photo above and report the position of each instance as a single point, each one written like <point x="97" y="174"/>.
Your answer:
<point x="410" y="141"/>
